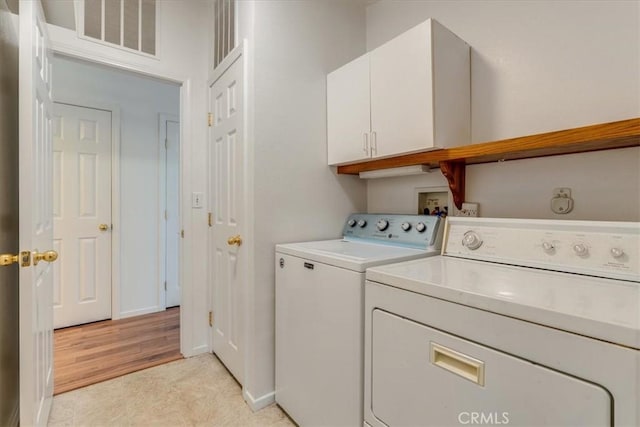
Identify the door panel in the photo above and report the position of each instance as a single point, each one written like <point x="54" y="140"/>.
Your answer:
<point x="226" y="197"/>
<point x="35" y="218"/>
<point x="172" y="201"/>
<point x="402" y="93"/>
<point x="82" y="202"/>
<point x="348" y="112"/>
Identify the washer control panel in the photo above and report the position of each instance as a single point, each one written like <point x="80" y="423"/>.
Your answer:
<point x="597" y="248"/>
<point x="416" y="231"/>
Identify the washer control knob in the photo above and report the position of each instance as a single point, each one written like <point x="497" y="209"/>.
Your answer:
<point x="548" y="248"/>
<point x="382" y="224"/>
<point x="580" y="249"/>
<point x="421" y="227"/>
<point x="471" y="240"/>
<point x="362" y="223"/>
<point x="617" y="252"/>
<point x="405" y="226"/>
<point x="351" y="222"/>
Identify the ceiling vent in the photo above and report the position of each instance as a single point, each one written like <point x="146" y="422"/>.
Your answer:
<point x="128" y="24"/>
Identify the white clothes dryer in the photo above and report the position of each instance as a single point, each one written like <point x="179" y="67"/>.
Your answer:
<point x="519" y="323"/>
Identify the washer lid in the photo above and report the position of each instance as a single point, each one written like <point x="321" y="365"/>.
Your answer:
<point x="356" y="256"/>
<point x="605" y="309"/>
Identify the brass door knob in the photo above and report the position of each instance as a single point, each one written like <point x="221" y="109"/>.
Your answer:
<point x="48" y="256"/>
<point x="234" y="240"/>
<point x="103" y="227"/>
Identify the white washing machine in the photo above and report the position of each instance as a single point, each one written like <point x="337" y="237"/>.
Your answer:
<point x="519" y="323"/>
<point x="319" y="312"/>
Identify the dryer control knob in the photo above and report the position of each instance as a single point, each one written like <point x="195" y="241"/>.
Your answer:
<point x="382" y="224"/>
<point x="581" y="249"/>
<point x="406" y="226"/>
<point x="617" y="252"/>
<point x="548" y="248"/>
<point x="421" y="227"/>
<point x="471" y="240"/>
<point x="362" y="223"/>
<point x="351" y="222"/>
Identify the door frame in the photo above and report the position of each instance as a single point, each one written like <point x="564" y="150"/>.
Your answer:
<point x="114" y="109"/>
<point x="187" y="307"/>
<point x="163" y="118"/>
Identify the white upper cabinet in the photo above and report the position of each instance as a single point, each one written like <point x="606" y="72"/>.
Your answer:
<point x="348" y="112"/>
<point x="413" y="96"/>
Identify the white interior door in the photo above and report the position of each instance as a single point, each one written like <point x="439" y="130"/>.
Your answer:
<point x="36" y="222"/>
<point x="228" y="257"/>
<point x="82" y="214"/>
<point x="172" y="203"/>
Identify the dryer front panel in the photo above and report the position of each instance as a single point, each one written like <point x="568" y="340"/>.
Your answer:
<point x="422" y="375"/>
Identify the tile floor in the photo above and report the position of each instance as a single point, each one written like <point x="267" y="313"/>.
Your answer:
<point x="192" y="392"/>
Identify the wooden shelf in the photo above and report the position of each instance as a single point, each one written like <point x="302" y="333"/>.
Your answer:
<point x="606" y="136"/>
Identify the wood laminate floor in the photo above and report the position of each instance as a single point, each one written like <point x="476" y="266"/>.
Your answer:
<point x="95" y="352"/>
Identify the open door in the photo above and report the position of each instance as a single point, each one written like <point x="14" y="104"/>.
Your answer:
<point x="228" y="258"/>
<point x="36" y="218"/>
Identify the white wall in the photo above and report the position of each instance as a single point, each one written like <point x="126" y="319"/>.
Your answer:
<point x="184" y="37"/>
<point x="536" y="67"/>
<point x="140" y="101"/>
<point x="296" y="196"/>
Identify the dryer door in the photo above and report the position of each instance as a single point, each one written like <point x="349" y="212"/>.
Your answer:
<point x="423" y="376"/>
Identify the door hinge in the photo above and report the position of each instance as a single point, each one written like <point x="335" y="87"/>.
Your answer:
<point x="165" y="285"/>
<point x="166" y="143"/>
<point x="211" y="318"/>
<point x="166" y="216"/>
<point x="210" y="219"/>
<point x="210" y="119"/>
<point x="182" y="233"/>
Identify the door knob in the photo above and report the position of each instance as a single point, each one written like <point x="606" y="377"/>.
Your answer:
<point x="234" y="240"/>
<point x="48" y="256"/>
<point x="103" y="227"/>
<point x="24" y="258"/>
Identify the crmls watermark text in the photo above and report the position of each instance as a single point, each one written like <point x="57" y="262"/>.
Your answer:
<point x="483" y="418"/>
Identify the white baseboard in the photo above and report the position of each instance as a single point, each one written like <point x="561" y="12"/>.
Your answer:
<point x="196" y="351"/>
<point x="140" y="312"/>
<point x="259" y="403"/>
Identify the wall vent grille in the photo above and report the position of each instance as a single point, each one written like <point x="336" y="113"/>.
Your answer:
<point x="129" y="24"/>
<point x="225" y="37"/>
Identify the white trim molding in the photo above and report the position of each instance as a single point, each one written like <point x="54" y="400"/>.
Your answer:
<point x="258" y="403"/>
<point x="185" y="67"/>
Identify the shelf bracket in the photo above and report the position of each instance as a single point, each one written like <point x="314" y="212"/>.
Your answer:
<point x="455" y="172"/>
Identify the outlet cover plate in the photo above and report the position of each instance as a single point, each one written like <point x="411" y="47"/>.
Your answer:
<point x="469" y="209"/>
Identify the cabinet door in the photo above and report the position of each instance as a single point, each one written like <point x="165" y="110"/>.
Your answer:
<point x="348" y="118"/>
<point x="401" y="93"/>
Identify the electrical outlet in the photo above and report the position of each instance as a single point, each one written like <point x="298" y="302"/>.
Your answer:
<point x="468" y="209"/>
<point x="561" y="203"/>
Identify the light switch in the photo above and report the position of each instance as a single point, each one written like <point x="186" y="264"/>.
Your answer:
<point x="197" y="200"/>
